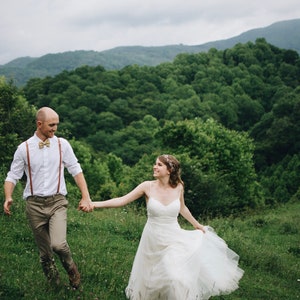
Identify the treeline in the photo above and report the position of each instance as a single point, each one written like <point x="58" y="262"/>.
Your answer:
<point x="231" y="117"/>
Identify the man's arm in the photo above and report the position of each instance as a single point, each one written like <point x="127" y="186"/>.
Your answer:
<point x="8" y="191"/>
<point x="85" y="203"/>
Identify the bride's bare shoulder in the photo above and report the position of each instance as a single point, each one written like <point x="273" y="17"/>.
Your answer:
<point x="146" y="184"/>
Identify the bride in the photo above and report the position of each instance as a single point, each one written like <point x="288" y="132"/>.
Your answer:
<point x="172" y="263"/>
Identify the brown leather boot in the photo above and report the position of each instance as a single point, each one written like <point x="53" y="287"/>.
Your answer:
<point x="74" y="277"/>
<point x="51" y="272"/>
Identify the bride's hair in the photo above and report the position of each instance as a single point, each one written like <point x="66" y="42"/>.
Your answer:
<point x="173" y="167"/>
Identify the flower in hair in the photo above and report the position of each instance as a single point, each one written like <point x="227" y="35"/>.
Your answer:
<point x="169" y="162"/>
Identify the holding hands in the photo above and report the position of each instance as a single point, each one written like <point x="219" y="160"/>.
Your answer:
<point x="86" y="205"/>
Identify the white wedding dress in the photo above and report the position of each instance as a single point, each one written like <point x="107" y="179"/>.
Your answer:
<point x="176" y="264"/>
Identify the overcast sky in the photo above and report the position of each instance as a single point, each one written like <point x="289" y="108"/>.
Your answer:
<point x="38" y="27"/>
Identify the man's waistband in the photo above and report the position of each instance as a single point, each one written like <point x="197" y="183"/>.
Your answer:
<point x="45" y="198"/>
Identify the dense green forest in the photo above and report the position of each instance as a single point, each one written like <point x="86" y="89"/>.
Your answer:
<point x="231" y="116"/>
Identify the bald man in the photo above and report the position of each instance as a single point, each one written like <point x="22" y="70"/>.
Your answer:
<point x="43" y="158"/>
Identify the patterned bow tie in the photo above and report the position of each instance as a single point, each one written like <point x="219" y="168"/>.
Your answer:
<point x="42" y="144"/>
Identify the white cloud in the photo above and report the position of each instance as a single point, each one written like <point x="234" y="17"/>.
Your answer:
<point x="37" y="27"/>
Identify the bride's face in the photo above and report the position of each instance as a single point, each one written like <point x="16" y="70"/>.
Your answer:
<point x="160" y="169"/>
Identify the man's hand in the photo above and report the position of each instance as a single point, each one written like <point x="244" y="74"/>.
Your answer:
<point x="7" y="205"/>
<point x="86" y="205"/>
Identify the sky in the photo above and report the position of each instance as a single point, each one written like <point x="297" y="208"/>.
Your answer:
<point x="38" y="27"/>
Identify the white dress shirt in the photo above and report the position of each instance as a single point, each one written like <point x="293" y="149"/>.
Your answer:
<point x="44" y="166"/>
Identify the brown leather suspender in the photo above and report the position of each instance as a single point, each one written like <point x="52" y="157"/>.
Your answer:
<point x="29" y="169"/>
<point x="59" y="170"/>
<point x="59" y="167"/>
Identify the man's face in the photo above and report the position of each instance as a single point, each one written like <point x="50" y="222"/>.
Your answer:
<point x="48" y="128"/>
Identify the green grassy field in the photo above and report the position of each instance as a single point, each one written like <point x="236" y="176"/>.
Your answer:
<point x="104" y="244"/>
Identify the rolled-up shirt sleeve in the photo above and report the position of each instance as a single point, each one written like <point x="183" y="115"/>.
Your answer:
<point x="17" y="167"/>
<point x="71" y="161"/>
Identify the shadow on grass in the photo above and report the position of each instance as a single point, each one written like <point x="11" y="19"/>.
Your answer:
<point x="7" y="292"/>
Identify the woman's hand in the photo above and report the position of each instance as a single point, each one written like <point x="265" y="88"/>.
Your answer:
<point x="200" y="227"/>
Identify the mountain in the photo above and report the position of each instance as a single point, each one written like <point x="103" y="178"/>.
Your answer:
<point x="284" y="34"/>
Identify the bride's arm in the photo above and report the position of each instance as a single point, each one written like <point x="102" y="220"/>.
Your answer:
<point x="185" y="212"/>
<point x="136" y="193"/>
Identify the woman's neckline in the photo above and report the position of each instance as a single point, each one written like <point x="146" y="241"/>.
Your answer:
<point x="177" y="199"/>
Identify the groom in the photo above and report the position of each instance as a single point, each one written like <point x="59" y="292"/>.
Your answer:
<point x="43" y="158"/>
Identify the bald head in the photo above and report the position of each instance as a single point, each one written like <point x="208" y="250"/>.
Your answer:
<point x="45" y="113"/>
<point x="47" y="121"/>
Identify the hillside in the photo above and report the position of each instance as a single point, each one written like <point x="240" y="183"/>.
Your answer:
<point x="282" y="34"/>
<point x="105" y="243"/>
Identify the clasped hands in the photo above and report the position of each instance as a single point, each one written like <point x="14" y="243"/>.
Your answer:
<point x="86" y="205"/>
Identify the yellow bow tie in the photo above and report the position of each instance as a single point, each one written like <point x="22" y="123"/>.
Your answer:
<point x="42" y="144"/>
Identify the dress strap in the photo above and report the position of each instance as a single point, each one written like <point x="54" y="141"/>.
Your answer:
<point x="150" y="184"/>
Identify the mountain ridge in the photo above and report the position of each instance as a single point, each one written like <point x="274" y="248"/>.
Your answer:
<point x="282" y="34"/>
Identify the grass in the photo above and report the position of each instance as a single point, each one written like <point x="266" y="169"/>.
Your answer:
<point x="104" y="244"/>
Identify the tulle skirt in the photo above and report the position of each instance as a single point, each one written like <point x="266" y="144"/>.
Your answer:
<point x="172" y="263"/>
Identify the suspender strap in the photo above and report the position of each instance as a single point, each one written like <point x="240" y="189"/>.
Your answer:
<point x="29" y="169"/>
<point x="60" y="161"/>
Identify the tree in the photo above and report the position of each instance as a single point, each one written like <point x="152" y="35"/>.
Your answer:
<point x="17" y="121"/>
<point x="218" y="167"/>
<point x="84" y="121"/>
<point x="97" y="172"/>
<point x="249" y="112"/>
<point x="276" y="133"/>
<point x="108" y="122"/>
<point x="136" y="140"/>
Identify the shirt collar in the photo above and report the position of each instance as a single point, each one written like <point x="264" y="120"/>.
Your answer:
<point x="37" y="139"/>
